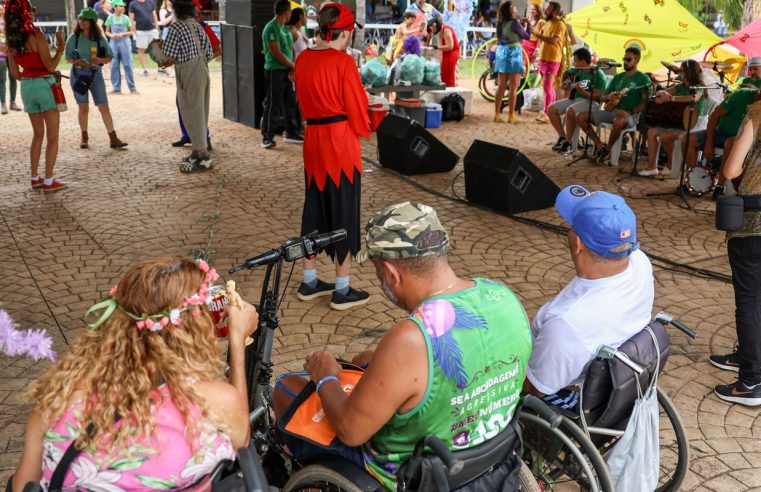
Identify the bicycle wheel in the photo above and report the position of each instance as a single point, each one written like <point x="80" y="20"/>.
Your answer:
<point x="563" y="458"/>
<point x="319" y="478"/>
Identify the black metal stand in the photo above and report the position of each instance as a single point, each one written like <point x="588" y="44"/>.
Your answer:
<point x="586" y="155"/>
<point x="680" y="189"/>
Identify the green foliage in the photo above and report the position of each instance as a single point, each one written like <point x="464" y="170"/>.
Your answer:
<point x="706" y="10"/>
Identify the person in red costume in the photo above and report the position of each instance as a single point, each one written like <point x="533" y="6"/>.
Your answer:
<point x="449" y="47"/>
<point x="334" y="104"/>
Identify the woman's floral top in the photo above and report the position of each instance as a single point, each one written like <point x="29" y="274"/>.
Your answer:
<point x="162" y="461"/>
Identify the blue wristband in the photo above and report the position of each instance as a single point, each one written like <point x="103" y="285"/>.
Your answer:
<point x="325" y="380"/>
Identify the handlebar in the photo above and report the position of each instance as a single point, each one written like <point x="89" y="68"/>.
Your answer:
<point x="454" y="466"/>
<point x="543" y="410"/>
<point x="293" y="249"/>
<point x="667" y="319"/>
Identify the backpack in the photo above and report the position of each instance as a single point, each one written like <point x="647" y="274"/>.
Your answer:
<point x="452" y="108"/>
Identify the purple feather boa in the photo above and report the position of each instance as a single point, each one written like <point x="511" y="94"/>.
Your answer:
<point x="35" y="344"/>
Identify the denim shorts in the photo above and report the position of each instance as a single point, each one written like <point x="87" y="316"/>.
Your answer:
<point x="97" y="89"/>
<point x="37" y="94"/>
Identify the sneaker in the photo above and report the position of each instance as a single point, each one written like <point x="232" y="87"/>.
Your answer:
<point x="53" y="187"/>
<point x="738" y="392"/>
<point x="3" y="109"/>
<point x="37" y="183"/>
<point x="558" y="144"/>
<point x="116" y="91"/>
<point x="15" y="107"/>
<point x="666" y="170"/>
<point x="190" y="164"/>
<point x="145" y="73"/>
<point x="294" y="139"/>
<point x="542" y="118"/>
<point x="307" y="293"/>
<point x="349" y="300"/>
<point x="566" y="148"/>
<point x="729" y="362"/>
<point x="134" y="92"/>
<point x="603" y="155"/>
<point x="181" y="142"/>
<point x="268" y="143"/>
<point x="648" y="173"/>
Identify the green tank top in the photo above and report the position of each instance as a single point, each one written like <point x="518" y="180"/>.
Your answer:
<point x="479" y="343"/>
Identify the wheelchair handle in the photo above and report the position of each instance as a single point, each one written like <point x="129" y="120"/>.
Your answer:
<point x="543" y="410"/>
<point x="667" y="319"/>
<point x="454" y="466"/>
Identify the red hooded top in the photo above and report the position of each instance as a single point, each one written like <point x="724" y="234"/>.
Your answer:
<point x="328" y="84"/>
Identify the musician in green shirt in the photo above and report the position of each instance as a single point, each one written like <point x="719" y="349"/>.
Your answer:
<point x="753" y="80"/>
<point x="625" y="98"/>
<point x="584" y="82"/>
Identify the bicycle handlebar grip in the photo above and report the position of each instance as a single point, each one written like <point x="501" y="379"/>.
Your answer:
<point x="323" y="240"/>
<point x="690" y="333"/>
<point x="543" y="410"/>
<point x="445" y="455"/>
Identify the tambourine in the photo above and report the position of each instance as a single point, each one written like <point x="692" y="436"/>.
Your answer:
<point x="700" y="180"/>
<point x="156" y="53"/>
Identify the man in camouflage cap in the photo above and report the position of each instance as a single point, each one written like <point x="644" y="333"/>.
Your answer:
<point x="426" y="374"/>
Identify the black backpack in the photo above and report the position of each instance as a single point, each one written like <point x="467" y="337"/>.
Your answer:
<point x="452" y="108"/>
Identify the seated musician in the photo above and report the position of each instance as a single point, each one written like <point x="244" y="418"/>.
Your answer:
<point x="584" y="83"/>
<point x="609" y="301"/>
<point x="690" y="76"/>
<point x="627" y="95"/>
<point x="723" y="125"/>
<point x="147" y="376"/>
<point x="430" y="369"/>
<point x="753" y="80"/>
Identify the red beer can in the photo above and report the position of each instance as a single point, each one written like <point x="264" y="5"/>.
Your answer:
<point x="216" y="308"/>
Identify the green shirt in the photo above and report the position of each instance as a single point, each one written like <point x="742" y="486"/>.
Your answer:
<point x="683" y="90"/>
<point x="633" y="97"/>
<point x="122" y="20"/>
<point x="597" y="79"/>
<point x="736" y="106"/>
<point x="479" y="343"/>
<point x="83" y="46"/>
<point x="276" y="33"/>
<point x="751" y="81"/>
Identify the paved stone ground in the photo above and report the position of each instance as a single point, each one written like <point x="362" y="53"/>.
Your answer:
<point x="64" y="250"/>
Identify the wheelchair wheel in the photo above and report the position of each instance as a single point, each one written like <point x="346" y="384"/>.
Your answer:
<point x="487" y="85"/>
<point x="319" y="478"/>
<point x="564" y="457"/>
<point x="527" y="481"/>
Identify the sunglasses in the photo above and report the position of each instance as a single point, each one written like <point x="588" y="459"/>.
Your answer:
<point x="628" y="60"/>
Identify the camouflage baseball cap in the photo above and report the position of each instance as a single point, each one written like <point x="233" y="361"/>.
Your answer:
<point x="403" y="231"/>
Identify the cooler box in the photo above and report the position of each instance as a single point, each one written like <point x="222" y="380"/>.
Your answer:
<point x="437" y="96"/>
<point x="433" y="115"/>
<point x="378" y="108"/>
<point x="413" y="109"/>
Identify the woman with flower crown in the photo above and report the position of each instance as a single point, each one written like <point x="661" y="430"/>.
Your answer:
<point x="141" y="393"/>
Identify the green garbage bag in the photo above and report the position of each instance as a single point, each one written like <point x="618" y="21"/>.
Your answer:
<point x="374" y="73"/>
<point x="413" y="69"/>
<point x="432" y="74"/>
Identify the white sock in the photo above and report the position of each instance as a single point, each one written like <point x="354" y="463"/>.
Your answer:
<point x="48" y="181"/>
<point x="36" y="178"/>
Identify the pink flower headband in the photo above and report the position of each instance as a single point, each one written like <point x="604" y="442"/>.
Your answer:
<point x="158" y="321"/>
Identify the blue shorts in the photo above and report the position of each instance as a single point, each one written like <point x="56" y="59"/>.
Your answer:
<point x="37" y="94"/>
<point x="97" y="89"/>
<point x="509" y="59"/>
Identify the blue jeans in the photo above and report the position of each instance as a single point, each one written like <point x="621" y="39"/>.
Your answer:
<point x="97" y="89"/>
<point x="122" y="50"/>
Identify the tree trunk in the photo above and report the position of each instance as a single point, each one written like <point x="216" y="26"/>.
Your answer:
<point x="359" y="36"/>
<point x="751" y="11"/>
<point x="71" y="14"/>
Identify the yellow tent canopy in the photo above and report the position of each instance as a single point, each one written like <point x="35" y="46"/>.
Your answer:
<point x="663" y="30"/>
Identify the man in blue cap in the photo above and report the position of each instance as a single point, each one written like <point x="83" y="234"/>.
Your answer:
<point x="608" y="302"/>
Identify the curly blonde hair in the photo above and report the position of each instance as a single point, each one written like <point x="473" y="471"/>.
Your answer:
<point x="119" y="368"/>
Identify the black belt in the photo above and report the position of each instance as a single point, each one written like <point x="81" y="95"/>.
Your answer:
<point x="328" y="120"/>
<point x="752" y="202"/>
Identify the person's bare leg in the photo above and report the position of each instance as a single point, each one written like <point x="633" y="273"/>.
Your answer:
<point x="281" y="400"/>
<point x="727" y="149"/>
<point x="570" y="124"/>
<point x="82" y="115"/>
<point x="585" y="123"/>
<point x="619" y="123"/>
<point x="669" y="141"/>
<point x="652" y="145"/>
<point x="105" y="114"/>
<point x="52" y="120"/>
<point x="514" y="79"/>
<point x="141" y="55"/>
<point x="38" y="135"/>
<point x="692" y="152"/>
<point x="343" y="269"/>
<point x="502" y="77"/>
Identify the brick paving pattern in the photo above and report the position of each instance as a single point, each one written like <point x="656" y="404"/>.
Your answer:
<point x="63" y="251"/>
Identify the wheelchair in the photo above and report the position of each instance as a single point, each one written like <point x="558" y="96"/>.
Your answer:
<point x="605" y="404"/>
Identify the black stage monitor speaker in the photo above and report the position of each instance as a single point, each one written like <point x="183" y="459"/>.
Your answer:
<point x="504" y="179"/>
<point x="405" y="146"/>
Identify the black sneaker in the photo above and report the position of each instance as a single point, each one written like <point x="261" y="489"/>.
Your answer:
<point x="181" y="142"/>
<point x="294" y="139"/>
<point x="561" y="141"/>
<point x="268" y="143"/>
<point x="307" y="293"/>
<point x="566" y="148"/>
<point x="729" y="362"/>
<point x="349" y="300"/>
<point x="199" y="163"/>
<point x="738" y="392"/>
<point x="602" y="155"/>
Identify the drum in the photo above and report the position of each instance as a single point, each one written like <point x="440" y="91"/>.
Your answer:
<point x="156" y="53"/>
<point x="700" y="180"/>
<point x="670" y="115"/>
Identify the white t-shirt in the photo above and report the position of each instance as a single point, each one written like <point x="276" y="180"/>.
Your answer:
<point x="587" y="314"/>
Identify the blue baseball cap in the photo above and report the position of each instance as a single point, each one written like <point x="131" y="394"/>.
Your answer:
<point x="603" y="221"/>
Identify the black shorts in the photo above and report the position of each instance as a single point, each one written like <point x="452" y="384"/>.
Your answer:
<point x="335" y="207"/>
